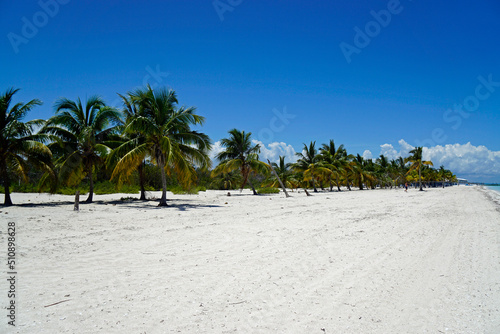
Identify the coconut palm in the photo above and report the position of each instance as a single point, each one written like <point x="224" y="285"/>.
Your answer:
<point x="335" y="159"/>
<point x="383" y="171"/>
<point x="80" y="133"/>
<point x="417" y="163"/>
<point x="168" y="138"/>
<point x="128" y="141"/>
<point x="310" y="164"/>
<point x="20" y="147"/>
<point x="284" y="172"/>
<point x="240" y="153"/>
<point x="226" y="181"/>
<point x="444" y="175"/>
<point x="360" y="172"/>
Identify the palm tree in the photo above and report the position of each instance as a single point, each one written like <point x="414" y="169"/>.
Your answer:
<point x="240" y="153"/>
<point x="310" y="164"/>
<point x="335" y="159"/>
<point x="283" y="170"/>
<point x="80" y="134"/>
<point x="168" y="139"/>
<point x="19" y="146"/>
<point x="444" y="175"/>
<point x="417" y="163"/>
<point x="360" y="172"/>
<point x="398" y="170"/>
<point x="226" y="181"/>
<point x="383" y="171"/>
<point x="128" y="141"/>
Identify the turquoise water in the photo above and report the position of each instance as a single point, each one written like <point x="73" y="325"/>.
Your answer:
<point x="496" y="188"/>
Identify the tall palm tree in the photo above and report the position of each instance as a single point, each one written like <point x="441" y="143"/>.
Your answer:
<point x="128" y="141"/>
<point x="19" y="145"/>
<point x="80" y="133"/>
<point x="240" y="153"/>
<point x="335" y="159"/>
<point x="360" y="172"/>
<point x="168" y="138"/>
<point x="417" y="163"/>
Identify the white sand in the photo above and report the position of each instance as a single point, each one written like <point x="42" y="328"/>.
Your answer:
<point x="376" y="261"/>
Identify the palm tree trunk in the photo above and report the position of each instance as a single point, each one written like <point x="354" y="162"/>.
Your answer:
<point x="91" y="188"/>
<point x="6" y="185"/>
<point x="360" y="182"/>
<point x="314" y="185"/>
<point x="338" y="185"/>
<point x="140" y="170"/>
<point x="251" y="185"/>
<point x="279" y="180"/>
<point x="163" y="200"/>
<point x="245" y="175"/>
<point x="348" y="184"/>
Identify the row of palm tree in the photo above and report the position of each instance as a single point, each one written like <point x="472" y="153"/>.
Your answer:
<point x="152" y="128"/>
<point x="329" y="165"/>
<point x="82" y="136"/>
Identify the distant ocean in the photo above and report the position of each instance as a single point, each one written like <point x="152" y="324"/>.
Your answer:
<point x="496" y="188"/>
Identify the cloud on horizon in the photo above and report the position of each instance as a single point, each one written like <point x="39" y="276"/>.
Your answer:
<point x="477" y="163"/>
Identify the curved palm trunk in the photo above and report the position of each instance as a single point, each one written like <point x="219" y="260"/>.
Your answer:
<point x="91" y="188"/>
<point x="6" y="185"/>
<point x="163" y="200"/>
<point x="140" y="170"/>
<point x="338" y="185"/>
<point x="360" y="182"/>
<point x="246" y="178"/>
<point x="251" y="185"/>
<point x="348" y="184"/>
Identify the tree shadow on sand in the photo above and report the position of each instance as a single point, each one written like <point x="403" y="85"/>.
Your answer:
<point x="179" y="204"/>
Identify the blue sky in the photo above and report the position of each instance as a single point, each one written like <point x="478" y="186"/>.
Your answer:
<point x="245" y="64"/>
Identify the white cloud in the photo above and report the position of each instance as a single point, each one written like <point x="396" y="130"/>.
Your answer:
<point x="216" y="149"/>
<point x="367" y="155"/>
<point x="477" y="163"/>
<point x="273" y="150"/>
<point x="390" y="152"/>
<point x="467" y="159"/>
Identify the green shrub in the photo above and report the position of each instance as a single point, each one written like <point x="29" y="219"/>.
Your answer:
<point x="267" y="190"/>
<point x="72" y="190"/>
<point x="179" y="190"/>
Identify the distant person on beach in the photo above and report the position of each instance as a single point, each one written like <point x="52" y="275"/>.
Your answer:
<point x="406" y="186"/>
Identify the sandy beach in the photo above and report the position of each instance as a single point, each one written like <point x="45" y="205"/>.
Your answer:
<point x="372" y="261"/>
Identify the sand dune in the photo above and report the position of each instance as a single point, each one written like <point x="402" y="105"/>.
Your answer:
<point x="377" y="261"/>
